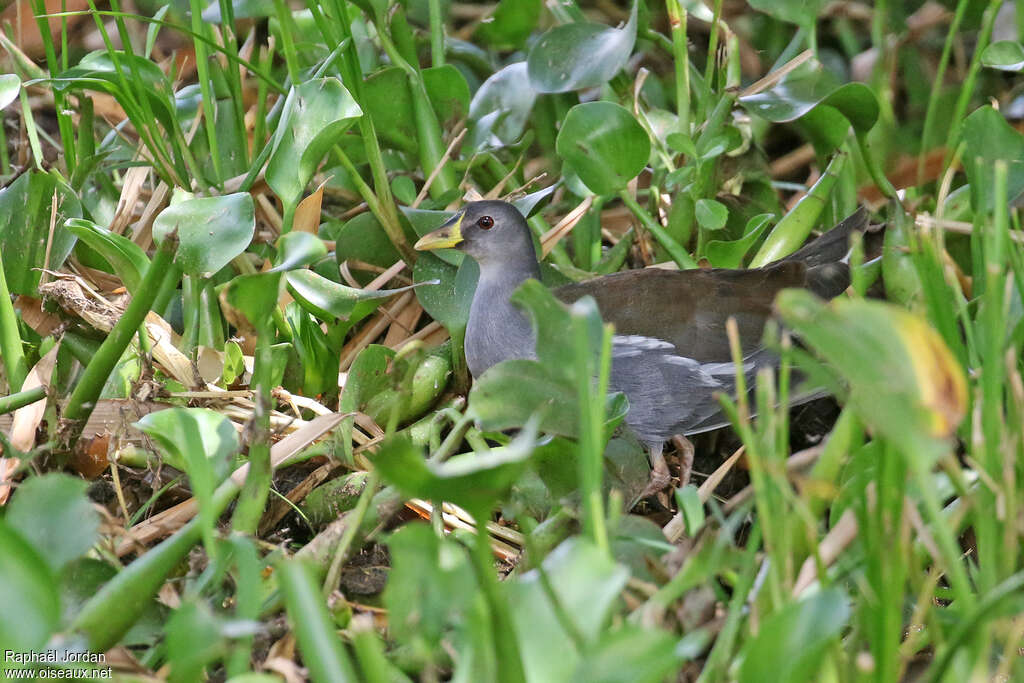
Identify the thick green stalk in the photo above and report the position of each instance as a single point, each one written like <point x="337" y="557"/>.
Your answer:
<point x="209" y="102"/>
<point x="9" y="404"/>
<point x="87" y="391"/>
<point x="796" y="225"/>
<point x="677" y="20"/>
<point x="436" y="34"/>
<point x="10" y="338"/>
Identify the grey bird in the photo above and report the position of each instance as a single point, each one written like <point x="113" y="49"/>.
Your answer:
<point x="670" y="353"/>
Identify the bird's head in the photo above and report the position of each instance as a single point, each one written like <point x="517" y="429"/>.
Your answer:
<point x="492" y="232"/>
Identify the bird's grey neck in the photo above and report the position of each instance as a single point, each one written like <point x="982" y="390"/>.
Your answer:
<point x="497" y="329"/>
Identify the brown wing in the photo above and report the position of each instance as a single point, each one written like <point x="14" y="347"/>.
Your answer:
<point x="689" y="308"/>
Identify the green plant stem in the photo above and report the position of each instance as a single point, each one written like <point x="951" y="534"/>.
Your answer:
<point x="9" y="404"/>
<point x="681" y="53"/>
<point x="681" y="257"/>
<point x="209" y="99"/>
<point x="436" y="34"/>
<point x="796" y="225"/>
<point x="87" y="391"/>
<point x="937" y="83"/>
<point x="592" y="407"/>
<point x="10" y="337"/>
<point x="355" y="523"/>
<point x="257" y="481"/>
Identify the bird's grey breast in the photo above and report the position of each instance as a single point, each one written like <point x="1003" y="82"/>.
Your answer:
<point x="496" y="330"/>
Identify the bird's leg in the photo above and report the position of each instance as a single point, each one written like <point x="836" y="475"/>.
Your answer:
<point x="660" y="477"/>
<point x="685" y="448"/>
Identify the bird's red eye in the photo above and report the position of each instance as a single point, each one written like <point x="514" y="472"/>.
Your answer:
<point x="485" y="222"/>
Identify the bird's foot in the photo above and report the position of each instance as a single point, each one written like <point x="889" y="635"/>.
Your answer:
<point x="660" y="480"/>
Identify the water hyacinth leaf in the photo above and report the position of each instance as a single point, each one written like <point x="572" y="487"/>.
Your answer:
<point x="10" y="86"/>
<point x="474" y="481"/>
<point x="629" y="654"/>
<point x="429" y="586"/>
<point x="904" y="381"/>
<point x="424" y="221"/>
<point x="988" y="137"/>
<point x="211" y="230"/>
<point x="447" y="301"/>
<point x="580" y="55"/>
<point x="362" y="239"/>
<point x="810" y="87"/>
<point x="27" y="589"/>
<point x="507" y="395"/>
<point x="127" y="258"/>
<point x="500" y="108"/>
<point x="387" y="100"/>
<point x="711" y="214"/>
<point x="604" y="145"/>
<point x="192" y="439"/>
<point x="731" y="254"/>
<point x="587" y="583"/>
<point x="54" y="514"/>
<point x="25" y="208"/>
<point x="315" y="115"/>
<point x="511" y="24"/>
<point x="529" y="204"/>
<point x="790" y="644"/>
<point x="1005" y="55"/>
<point x="253" y="296"/>
<point x="327" y="299"/>
<point x="297" y="249"/>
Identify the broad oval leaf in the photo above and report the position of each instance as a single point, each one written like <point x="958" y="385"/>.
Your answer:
<point x="711" y="214"/>
<point x="315" y="115"/>
<point x="10" y="86"/>
<point x="28" y="592"/>
<point x="500" y="108"/>
<point x="812" y="91"/>
<point x="789" y="644"/>
<point x="473" y="480"/>
<point x="211" y="230"/>
<point x="53" y="513"/>
<point x="1005" y="55"/>
<point x="327" y="299"/>
<point x="800" y="12"/>
<point x="730" y="254"/>
<point x="254" y="296"/>
<point x="580" y="55"/>
<point x="988" y="137"/>
<point x="297" y="249"/>
<point x="387" y="100"/>
<point x="511" y="24"/>
<point x="604" y="144"/>
<point x="448" y="300"/>
<point x="192" y="438"/>
<point x="128" y="259"/>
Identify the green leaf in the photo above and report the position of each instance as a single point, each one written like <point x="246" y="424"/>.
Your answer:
<point x="127" y="258"/>
<point x="211" y="230"/>
<point x="731" y="254"/>
<point x="790" y="644"/>
<point x="692" y="509"/>
<point x="297" y="249"/>
<point x="362" y="239"/>
<point x="255" y="296"/>
<point x="28" y="591"/>
<point x="388" y="102"/>
<point x="511" y="24"/>
<point x="194" y="440"/>
<point x="1005" y="55"/>
<point x="25" y="207"/>
<point x="988" y="137"/>
<point x="10" y="86"/>
<point x="327" y="299"/>
<point x="474" y="481"/>
<point x="604" y="144"/>
<point x="587" y="583"/>
<point x="508" y="394"/>
<point x="812" y="91"/>
<point x="904" y="381"/>
<point x="500" y="108"/>
<point x="711" y="214"/>
<point x="629" y="654"/>
<point x="580" y="55"/>
<point x="315" y="115"/>
<point x="53" y="513"/>
<point x="448" y="301"/>
<point x="430" y="586"/>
